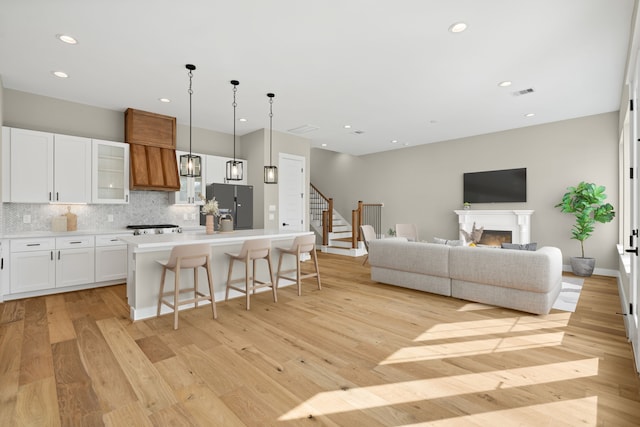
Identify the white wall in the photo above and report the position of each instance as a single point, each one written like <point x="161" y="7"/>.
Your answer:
<point x="423" y="184"/>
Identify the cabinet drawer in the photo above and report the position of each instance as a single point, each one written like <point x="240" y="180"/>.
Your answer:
<point x="28" y="245"/>
<point x="73" y="242"/>
<point x="110" y="239"/>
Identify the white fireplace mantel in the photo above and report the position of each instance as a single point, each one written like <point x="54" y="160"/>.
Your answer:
<point x="516" y="221"/>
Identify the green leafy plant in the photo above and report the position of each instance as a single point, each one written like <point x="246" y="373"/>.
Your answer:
<point x="586" y="203"/>
<point x="391" y="232"/>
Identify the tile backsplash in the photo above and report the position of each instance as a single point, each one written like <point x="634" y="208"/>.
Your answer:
<point x="145" y="207"/>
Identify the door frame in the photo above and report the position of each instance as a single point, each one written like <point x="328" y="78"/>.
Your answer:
<point x="303" y="199"/>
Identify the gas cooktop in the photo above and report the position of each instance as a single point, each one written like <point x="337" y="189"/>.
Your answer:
<point x="148" y="226"/>
<point x="154" y="229"/>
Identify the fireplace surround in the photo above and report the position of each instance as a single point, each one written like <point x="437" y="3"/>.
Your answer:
<point x="518" y="222"/>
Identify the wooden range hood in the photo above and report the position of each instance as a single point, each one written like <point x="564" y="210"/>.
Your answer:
<point x="152" y="140"/>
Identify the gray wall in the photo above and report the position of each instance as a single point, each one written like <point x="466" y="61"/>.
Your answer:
<point x="256" y="148"/>
<point x="29" y="111"/>
<point x="423" y="184"/>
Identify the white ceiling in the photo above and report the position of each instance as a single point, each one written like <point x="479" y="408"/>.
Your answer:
<point x="390" y="69"/>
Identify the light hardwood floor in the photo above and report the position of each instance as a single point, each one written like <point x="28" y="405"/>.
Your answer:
<point x="355" y="353"/>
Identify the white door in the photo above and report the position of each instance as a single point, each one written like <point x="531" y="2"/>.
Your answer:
<point x="634" y="331"/>
<point x="291" y="193"/>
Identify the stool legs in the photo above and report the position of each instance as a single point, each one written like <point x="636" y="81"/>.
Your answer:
<point x="176" y="296"/>
<point x="213" y="300"/>
<point x="251" y="283"/>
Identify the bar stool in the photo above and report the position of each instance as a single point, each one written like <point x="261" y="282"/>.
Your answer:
<point x="183" y="257"/>
<point x="301" y="245"/>
<point x="251" y="251"/>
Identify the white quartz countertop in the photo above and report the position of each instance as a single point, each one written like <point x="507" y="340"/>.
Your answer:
<point x="150" y="242"/>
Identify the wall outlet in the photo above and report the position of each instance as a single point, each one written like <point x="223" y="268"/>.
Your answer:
<point x="26" y="219"/>
<point x="109" y="218"/>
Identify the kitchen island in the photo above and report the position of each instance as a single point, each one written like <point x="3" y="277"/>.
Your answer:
<point x="143" y="272"/>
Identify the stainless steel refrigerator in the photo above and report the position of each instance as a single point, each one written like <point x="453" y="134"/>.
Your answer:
<point x="236" y="200"/>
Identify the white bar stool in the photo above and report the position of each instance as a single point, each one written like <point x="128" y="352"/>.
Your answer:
<point x="301" y="245"/>
<point x="183" y="257"/>
<point x="251" y="251"/>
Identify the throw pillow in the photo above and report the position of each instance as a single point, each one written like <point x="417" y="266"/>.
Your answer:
<point x="447" y="242"/>
<point x="524" y="247"/>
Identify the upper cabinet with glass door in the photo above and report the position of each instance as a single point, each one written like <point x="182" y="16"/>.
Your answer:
<point x="189" y="187"/>
<point x="110" y="172"/>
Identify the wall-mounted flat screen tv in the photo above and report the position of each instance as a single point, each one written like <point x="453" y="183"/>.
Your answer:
<point x="509" y="185"/>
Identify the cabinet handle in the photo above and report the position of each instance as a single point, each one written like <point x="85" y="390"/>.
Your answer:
<point x="33" y="244"/>
<point x="50" y="196"/>
<point x="126" y="198"/>
<point x="75" y="243"/>
<point x="58" y="255"/>
<point x="57" y="196"/>
<point x="1" y="263"/>
<point x="51" y="253"/>
<point x="113" y="240"/>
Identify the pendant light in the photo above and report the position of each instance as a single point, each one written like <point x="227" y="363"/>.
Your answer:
<point x="190" y="164"/>
<point x="234" y="167"/>
<point x="271" y="171"/>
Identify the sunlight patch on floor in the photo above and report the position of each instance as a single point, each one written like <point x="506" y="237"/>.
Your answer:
<point x="571" y="412"/>
<point x="362" y="398"/>
<point x="494" y="326"/>
<point x="473" y="348"/>
<point x="474" y="306"/>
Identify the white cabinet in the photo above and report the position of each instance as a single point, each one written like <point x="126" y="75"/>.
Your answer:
<point x="4" y="269"/>
<point x="110" y="172"/>
<point x="30" y="166"/>
<point x="47" y="263"/>
<point x="189" y="187"/>
<point x="216" y="169"/>
<point x="32" y="265"/>
<point x="71" y="169"/>
<point x="111" y="258"/>
<point x="75" y="260"/>
<point x="43" y="167"/>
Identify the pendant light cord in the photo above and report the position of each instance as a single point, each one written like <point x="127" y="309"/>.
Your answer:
<point x="271" y="131"/>
<point x="190" y="95"/>
<point x="235" y="104"/>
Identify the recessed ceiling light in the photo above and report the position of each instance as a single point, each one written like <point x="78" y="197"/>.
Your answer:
<point x="165" y="100"/>
<point x="242" y="120"/>
<point x="347" y="126"/>
<point x="324" y="145"/>
<point x="60" y="74"/>
<point x="394" y="141"/>
<point x="457" y="27"/>
<point x="66" y="39"/>
<point x="530" y="114"/>
<point x="406" y="144"/>
<point x="505" y="83"/>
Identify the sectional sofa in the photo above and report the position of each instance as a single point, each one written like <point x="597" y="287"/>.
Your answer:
<point x="523" y="280"/>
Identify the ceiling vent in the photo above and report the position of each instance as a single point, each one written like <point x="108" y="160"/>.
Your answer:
<point x="303" y="129"/>
<point x="523" y="92"/>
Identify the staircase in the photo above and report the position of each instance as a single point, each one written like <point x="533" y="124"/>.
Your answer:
<point x="339" y="241"/>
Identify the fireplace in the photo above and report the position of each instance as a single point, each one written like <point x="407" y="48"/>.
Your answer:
<point x="495" y="237"/>
<point x="516" y="223"/>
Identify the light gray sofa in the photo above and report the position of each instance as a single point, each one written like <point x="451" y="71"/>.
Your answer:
<point x="522" y="280"/>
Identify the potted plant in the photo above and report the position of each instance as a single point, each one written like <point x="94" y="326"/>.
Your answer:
<point x="586" y="203"/>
